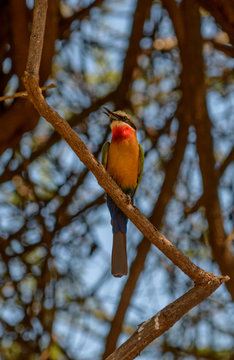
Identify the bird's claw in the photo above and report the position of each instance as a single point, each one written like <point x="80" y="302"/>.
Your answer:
<point x="129" y="199"/>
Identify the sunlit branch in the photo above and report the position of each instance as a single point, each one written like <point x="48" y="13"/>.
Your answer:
<point x="105" y="181"/>
<point x="108" y="183"/>
<point x="24" y="93"/>
<point x="162" y="321"/>
<point x="205" y="283"/>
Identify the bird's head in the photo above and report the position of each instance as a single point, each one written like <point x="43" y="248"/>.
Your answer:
<point x="119" y="118"/>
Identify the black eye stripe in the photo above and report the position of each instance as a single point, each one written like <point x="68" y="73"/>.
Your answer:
<point x="127" y="121"/>
<point x="122" y="118"/>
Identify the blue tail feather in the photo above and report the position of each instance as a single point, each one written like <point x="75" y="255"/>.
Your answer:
<point x="118" y="218"/>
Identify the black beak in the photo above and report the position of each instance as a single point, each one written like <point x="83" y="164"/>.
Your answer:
<point x="108" y="112"/>
<point x="112" y="116"/>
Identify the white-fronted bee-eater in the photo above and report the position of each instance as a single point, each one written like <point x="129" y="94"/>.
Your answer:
<point x="123" y="158"/>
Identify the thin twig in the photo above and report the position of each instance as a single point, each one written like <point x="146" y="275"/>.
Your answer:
<point x="24" y="93"/>
<point x="225" y="48"/>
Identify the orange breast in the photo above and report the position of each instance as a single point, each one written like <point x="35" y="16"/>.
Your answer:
<point x="123" y="160"/>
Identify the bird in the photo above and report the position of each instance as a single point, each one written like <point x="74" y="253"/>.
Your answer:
<point x="123" y="158"/>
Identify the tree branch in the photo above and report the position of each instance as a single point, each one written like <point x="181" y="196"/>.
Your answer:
<point x="108" y="184"/>
<point x="20" y="37"/>
<point x="223" y="12"/>
<point x="219" y="172"/>
<point x="174" y="11"/>
<point x="206" y="282"/>
<point x="227" y="161"/>
<point x="226" y="49"/>
<point x="37" y="38"/>
<point x="194" y="90"/>
<point x="103" y="178"/>
<point x="24" y="93"/>
<point x="79" y="15"/>
<point x="162" y="321"/>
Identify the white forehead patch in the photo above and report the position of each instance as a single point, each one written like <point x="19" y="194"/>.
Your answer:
<point x="121" y="113"/>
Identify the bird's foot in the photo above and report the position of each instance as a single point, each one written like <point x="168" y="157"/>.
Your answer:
<point x="129" y="199"/>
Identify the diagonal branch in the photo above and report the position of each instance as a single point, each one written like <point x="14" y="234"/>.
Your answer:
<point x="226" y="49"/>
<point x="206" y="282"/>
<point x="162" y="321"/>
<point x="192" y="61"/>
<point x="65" y="23"/>
<point x="223" y="12"/>
<point x="219" y="173"/>
<point x="103" y="178"/>
<point x="227" y="161"/>
<point x="108" y="184"/>
<point x="194" y="93"/>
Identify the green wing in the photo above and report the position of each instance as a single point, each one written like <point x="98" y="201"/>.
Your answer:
<point x="105" y="151"/>
<point x="140" y="166"/>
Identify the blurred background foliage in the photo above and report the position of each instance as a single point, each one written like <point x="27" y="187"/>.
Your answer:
<point x="169" y="64"/>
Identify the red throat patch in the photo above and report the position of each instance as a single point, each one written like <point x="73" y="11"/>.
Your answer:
<point x="121" y="133"/>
